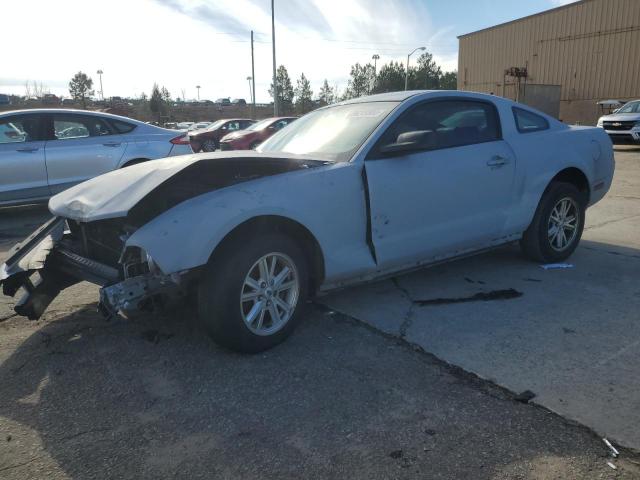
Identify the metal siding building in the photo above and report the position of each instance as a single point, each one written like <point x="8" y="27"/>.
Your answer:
<point x="589" y="50"/>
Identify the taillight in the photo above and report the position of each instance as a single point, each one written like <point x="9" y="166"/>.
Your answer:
<point x="181" y="140"/>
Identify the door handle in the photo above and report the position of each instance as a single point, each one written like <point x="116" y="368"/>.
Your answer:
<point x="28" y="149"/>
<point x="112" y="144"/>
<point x="497" y="161"/>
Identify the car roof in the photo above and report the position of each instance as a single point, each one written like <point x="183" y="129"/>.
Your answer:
<point x="71" y="110"/>
<point x="385" y="97"/>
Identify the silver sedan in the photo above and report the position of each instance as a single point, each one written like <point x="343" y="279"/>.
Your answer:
<point x="45" y="151"/>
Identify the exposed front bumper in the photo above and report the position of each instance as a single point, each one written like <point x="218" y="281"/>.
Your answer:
<point x="47" y="262"/>
<point x="624" y="136"/>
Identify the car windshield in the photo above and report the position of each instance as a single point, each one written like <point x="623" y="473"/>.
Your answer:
<point x="215" y="125"/>
<point x="333" y="133"/>
<point x="261" y="125"/>
<point x="631" y="107"/>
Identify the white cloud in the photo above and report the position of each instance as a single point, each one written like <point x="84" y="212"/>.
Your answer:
<point x="559" y="3"/>
<point x="184" y="43"/>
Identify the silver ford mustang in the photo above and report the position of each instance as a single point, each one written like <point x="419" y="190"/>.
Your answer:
<point x="348" y="193"/>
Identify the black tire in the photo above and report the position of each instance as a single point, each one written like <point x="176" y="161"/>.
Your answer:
<point x="210" y="146"/>
<point x="220" y="309"/>
<point x="535" y="242"/>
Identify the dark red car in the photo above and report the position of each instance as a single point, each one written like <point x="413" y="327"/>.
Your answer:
<point x="254" y="135"/>
<point x="208" y="139"/>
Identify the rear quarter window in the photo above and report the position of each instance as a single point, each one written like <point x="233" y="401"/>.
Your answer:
<point x="527" y="122"/>
<point x="122" y="127"/>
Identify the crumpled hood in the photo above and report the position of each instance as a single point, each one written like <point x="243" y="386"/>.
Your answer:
<point x="164" y="183"/>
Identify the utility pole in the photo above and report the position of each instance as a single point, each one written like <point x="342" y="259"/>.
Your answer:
<point x="253" y="79"/>
<point x="273" y="42"/>
<point x="100" y="72"/>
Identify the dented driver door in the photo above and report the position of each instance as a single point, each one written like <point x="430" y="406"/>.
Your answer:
<point x="446" y="197"/>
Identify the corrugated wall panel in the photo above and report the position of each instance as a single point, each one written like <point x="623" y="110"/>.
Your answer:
<point x="590" y="48"/>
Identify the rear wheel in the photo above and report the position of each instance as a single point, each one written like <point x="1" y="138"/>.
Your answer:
<point x="557" y="225"/>
<point x="251" y="296"/>
<point x="209" y="146"/>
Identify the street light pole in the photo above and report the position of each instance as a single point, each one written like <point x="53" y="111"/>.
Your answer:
<point x="250" y="90"/>
<point x="273" y="42"/>
<point x="100" y="72"/>
<point x="375" y="59"/>
<point x="198" y="87"/>
<point x="253" y="78"/>
<point x="406" y="74"/>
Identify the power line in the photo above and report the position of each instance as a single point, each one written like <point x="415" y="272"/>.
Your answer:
<point x="366" y="42"/>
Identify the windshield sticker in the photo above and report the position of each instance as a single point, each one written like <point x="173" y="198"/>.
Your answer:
<point x="365" y="113"/>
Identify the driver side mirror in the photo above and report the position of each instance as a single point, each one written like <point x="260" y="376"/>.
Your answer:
<point x="410" y="142"/>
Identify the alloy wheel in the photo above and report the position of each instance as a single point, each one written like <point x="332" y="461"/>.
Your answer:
<point x="563" y="224"/>
<point x="269" y="294"/>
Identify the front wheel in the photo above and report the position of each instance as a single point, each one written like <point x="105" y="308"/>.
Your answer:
<point x="557" y="225"/>
<point x="209" y="146"/>
<point x="252" y="293"/>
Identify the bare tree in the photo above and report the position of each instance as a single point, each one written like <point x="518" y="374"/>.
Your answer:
<point x="27" y="89"/>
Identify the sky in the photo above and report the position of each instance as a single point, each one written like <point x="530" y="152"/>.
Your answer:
<point x="183" y="43"/>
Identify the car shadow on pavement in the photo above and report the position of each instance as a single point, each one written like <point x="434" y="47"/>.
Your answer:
<point x="84" y="398"/>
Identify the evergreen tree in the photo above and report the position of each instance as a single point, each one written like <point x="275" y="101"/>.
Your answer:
<point x="303" y="95"/>
<point x="285" y="90"/>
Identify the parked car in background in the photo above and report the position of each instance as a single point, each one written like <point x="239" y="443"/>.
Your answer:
<point x="225" y="102"/>
<point x="45" y="151"/>
<point x="623" y="126"/>
<point x="68" y="101"/>
<point x="255" y="134"/>
<point x="50" y="99"/>
<point x="199" y="126"/>
<point x="5" y="99"/>
<point x="351" y="192"/>
<point x="184" y="125"/>
<point x="171" y="125"/>
<point x="208" y="139"/>
<point x="238" y="101"/>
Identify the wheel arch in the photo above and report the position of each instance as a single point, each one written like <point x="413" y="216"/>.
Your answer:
<point x="574" y="176"/>
<point x="278" y="223"/>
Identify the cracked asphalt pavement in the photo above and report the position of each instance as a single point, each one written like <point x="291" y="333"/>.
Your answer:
<point x="153" y="398"/>
<point x="571" y="336"/>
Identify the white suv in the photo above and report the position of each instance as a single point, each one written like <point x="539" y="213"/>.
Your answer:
<point x="623" y="126"/>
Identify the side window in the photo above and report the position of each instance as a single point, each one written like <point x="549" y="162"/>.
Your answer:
<point x="527" y="122"/>
<point x="246" y="124"/>
<point x="233" y="126"/>
<point x="280" y="124"/>
<point x="445" y="124"/>
<point x="122" y="127"/>
<point x="69" y="127"/>
<point x="19" y="129"/>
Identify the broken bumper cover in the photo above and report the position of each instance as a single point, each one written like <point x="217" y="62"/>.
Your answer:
<point x="44" y="264"/>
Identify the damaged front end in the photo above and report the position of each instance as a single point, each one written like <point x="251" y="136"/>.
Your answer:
<point x="64" y="252"/>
